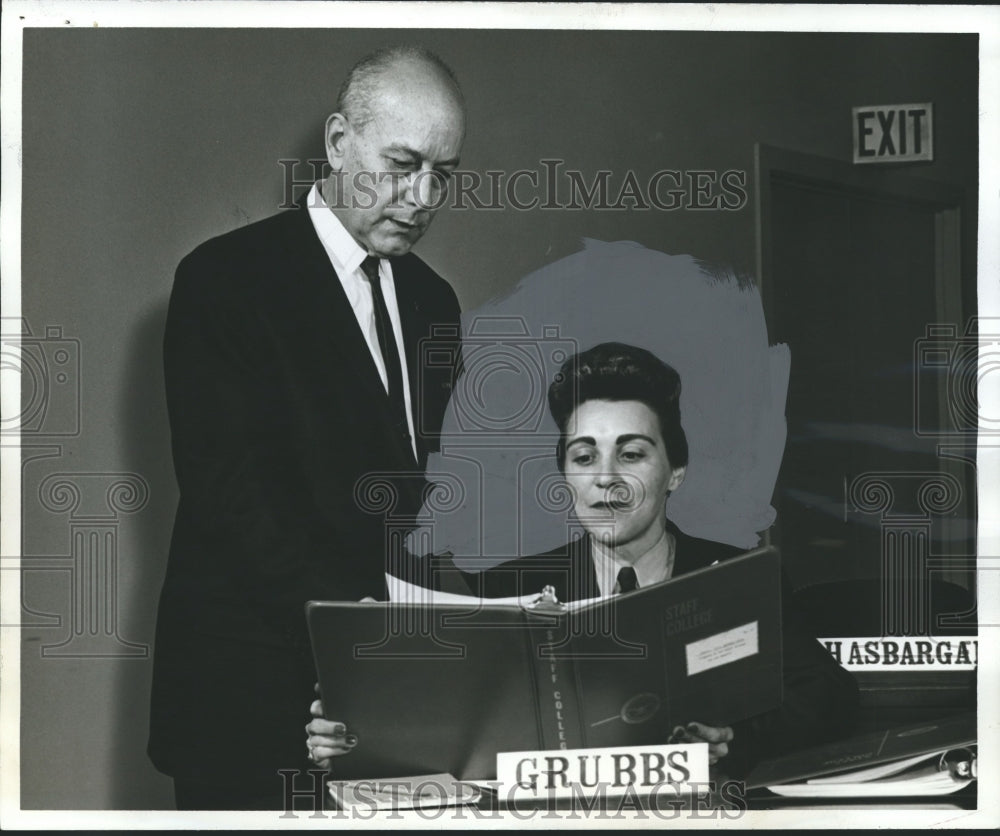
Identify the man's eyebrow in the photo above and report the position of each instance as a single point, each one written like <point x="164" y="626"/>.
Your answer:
<point x="401" y="149"/>
<point x="416" y="155"/>
<point x="583" y="439"/>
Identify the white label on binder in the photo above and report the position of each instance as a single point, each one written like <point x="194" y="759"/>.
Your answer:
<point x="722" y="648"/>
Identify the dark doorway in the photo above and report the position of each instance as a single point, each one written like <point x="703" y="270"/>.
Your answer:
<point x="861" y="276"/>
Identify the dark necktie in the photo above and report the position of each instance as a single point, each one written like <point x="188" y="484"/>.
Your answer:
<point x="627" y="581"/>
<point x="387" y="345"/>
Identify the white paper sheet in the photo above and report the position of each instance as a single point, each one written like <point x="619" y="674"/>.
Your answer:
<point x="403" y="592"/>
<point x="409" y="793"/>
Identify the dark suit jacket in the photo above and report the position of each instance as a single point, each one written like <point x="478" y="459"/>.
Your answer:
<point x="820" y="698"/>
<point x="276" y="412"/>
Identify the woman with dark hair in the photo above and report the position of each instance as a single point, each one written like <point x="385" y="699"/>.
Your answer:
<point x="622" y="451"/>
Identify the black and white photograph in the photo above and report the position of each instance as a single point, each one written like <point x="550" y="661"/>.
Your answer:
<point x="533" y="415"/>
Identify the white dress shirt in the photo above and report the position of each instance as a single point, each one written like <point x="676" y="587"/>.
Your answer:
<point x="649" y="569"/>
<point x="346" y="255"/>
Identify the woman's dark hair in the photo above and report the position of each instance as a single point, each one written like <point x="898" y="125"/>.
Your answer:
<point x="620" y="372"/>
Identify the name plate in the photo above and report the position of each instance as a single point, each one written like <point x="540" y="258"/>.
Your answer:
<point x="581" y="773"/>
<point x="905" y="654"/>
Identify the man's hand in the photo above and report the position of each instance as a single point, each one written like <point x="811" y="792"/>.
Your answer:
<point x="326" y="739"/>
<point x="717" y="738"/>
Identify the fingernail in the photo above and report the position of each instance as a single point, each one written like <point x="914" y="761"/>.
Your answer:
<point x="339" y="729"/>
<point x="692" y="727"/>
<point x="678" y="730"/>
<point x="351" y="740"/>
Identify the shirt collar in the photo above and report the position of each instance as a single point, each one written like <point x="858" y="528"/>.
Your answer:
<point x="653" y="567"/>
<point x="346" y="253"/>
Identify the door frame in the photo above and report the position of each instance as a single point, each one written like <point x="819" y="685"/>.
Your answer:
<point x="946" y="200"/>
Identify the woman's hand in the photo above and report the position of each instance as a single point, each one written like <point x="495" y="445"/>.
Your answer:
<point x="717" y="738"/>
<point x="326" y="739"/>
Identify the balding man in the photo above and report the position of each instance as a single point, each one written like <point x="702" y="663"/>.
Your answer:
<point x="294" y="368"/>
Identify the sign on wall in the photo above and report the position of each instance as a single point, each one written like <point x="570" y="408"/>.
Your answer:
<point x="900" y="133"/>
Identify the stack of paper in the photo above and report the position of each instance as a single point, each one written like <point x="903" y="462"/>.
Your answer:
<point x="404" y="592"/>
<point x="927" y="774"/>
<point x="408" y="793"/>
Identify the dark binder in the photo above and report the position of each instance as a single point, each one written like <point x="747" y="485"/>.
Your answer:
<point x="443" y="688"/>
<point x="868" y="750"/>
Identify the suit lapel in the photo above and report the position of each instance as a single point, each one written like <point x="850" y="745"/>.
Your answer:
<point x="416" y="326"/>
<point x="569" y="570"/>
<point x="583" y="568"/>
<point x="333" y="313"/>
<point x="332" y="319"/>
<point x="683" y="554"/>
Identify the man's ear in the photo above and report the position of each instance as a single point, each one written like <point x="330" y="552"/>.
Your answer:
<point x="676" y="478"/>
<point x="336" y="140"/>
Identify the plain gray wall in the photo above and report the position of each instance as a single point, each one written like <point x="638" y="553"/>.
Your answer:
<point x="140" y="144"/>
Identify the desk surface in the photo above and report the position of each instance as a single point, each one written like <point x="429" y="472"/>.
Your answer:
<point x="728" y="801"/>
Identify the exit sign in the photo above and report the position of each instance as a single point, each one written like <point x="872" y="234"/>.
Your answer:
<point x="901" y="133"/>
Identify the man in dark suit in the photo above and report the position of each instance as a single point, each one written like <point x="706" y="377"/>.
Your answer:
<point x="294" y="364"/>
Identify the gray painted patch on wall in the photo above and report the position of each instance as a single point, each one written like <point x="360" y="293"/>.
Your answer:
<point x="505" y="495"/>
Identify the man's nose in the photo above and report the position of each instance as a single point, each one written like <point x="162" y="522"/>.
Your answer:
<point x="424" y="189"/>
